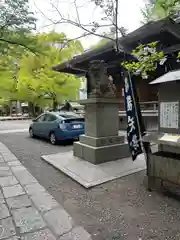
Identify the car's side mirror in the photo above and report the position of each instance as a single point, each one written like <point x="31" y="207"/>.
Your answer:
<point x="34" y="120"/>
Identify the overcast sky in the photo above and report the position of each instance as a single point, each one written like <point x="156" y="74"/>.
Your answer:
<point x="46" y="11"/>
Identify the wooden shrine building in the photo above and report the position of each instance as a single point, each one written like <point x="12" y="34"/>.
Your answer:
<point x="165" y="31"/>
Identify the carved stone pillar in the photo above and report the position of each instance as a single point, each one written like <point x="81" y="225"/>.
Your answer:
<point x="101" y="141"/>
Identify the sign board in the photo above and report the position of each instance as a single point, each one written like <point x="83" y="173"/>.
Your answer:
<point x="169" y="115"/>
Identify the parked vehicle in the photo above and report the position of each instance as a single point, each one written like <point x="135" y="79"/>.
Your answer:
<point x="57" y="126"/>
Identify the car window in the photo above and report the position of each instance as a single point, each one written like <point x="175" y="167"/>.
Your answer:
<point x="50" y="118"/>
<point x="67" y="116"/>
<point x="41" y="118"/>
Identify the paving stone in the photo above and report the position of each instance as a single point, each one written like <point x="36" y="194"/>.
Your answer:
<point x="59" y="221"/>
<point x="2" y="200"/>
<point x="7" y="228"/>
<point x="4" y="167"/>
<point x="25" y="177"/>
<point x="14" y="238"/>
<point x="44" y="202"/>
<point x="5" y="173"/>
<point x="28" y="219"/>
<point x="13" y="191"/>
<point x="3" y="164"/>
<point x="1" y="195"/>
<point x="14" y="163"/>
<point x="4" y="212"/>
<point x="9" y="157"/>
<point x="34" y="188"/>
<point x="77" y="233"/>
<point x="1" y="159"/>
<point x="40" y="235"/>
<point x="18" y="202"/>
<point x="18" y="168"/>
<point x="4" y="152"/>
<point x="8" y="181"/>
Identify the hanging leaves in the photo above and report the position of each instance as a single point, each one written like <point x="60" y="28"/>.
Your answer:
<point x="147" y="60"/>
<point x="158" y="9"/>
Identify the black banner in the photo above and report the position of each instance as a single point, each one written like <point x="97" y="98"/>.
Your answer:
<point x="135" y="128"/>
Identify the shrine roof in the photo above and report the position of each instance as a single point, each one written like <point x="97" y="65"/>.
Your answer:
<point x="79" y="63"/>
<point x="166" y="31"/>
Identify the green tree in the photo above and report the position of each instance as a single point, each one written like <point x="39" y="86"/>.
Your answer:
<point x="8" y="84"/>
<point x="37" y="82"/>
<point x="8" y="70"/>
<point x="16" y="25"/>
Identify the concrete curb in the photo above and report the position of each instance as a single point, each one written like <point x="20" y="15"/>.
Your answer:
<point x="14" y="118"/>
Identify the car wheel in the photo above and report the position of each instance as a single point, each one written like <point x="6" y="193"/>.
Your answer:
<point x="52" y="138"/>
<point x="31" y="133"/>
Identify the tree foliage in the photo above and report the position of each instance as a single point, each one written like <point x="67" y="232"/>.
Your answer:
<point x="27" y="76"/>
<point x="8" y="70"/>
<point x="30" y="77"/>
<point x="37" y="82"/>
<point x="16" y="25"/>
<point x="157" y="9"/>
<point x="147" y="59"/>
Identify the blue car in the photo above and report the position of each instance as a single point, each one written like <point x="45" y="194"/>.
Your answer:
<point x="57" y="126"/>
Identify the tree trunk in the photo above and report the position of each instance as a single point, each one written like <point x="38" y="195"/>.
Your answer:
<point x="18" y="107"/>
<point x="38" y="110"/>
<point x="55" y="104"/>
<point x="31" y="110"/>
<point x="7" y="110"/>
<point x="10" y="108"/>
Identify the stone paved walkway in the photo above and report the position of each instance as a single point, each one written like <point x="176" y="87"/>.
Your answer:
<point x="27" y="210"/>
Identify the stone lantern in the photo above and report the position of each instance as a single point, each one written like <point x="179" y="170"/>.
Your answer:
<point x="101" y="141"/>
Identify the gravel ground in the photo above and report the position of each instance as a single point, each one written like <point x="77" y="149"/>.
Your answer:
<point x="121" y="209"/>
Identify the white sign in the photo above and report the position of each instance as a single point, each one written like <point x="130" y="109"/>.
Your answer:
<point x="169" y="114"/>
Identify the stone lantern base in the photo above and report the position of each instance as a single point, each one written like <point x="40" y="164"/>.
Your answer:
<point x="101" y="142"/>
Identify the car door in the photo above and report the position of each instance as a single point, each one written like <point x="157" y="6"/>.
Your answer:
<point x="49" y="124"/>
<point x="37" y="125"/>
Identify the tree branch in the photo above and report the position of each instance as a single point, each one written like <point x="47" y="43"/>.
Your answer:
<point x="18" y="44"/>
<point x="64" y="20"/>
<point x="87" y="30"/>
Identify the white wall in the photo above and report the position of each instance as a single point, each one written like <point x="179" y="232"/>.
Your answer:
<point x="82" y="92"/>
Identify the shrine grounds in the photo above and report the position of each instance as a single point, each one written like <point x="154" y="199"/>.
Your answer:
<point x="120" y="209"/>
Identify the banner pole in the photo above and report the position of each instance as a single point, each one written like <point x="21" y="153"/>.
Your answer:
<point x="147" y="151"/>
